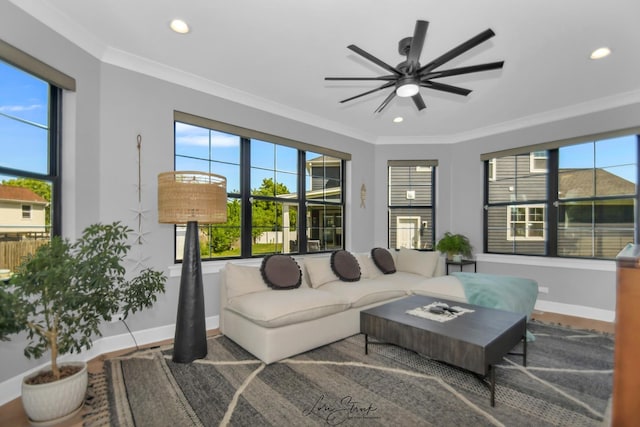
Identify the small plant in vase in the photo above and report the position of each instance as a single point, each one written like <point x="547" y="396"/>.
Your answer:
<point x="61" y="294"/>
<point x="454" y="244"/>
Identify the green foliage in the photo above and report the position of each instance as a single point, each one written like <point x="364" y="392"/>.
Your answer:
<point x="9" y="323"/>
<point x="452" y="244"/>
<point x="223" y="236"/>
<point x="63" y="292"/>
<point x="266" y="216"/>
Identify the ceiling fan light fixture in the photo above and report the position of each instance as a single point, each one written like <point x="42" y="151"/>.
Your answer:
<point x="407" y="87"/>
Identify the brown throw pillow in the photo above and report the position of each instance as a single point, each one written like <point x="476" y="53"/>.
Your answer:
<point x="383" y="260"/>
<point x="281" y="272"/>
<point x="345" y="266"/>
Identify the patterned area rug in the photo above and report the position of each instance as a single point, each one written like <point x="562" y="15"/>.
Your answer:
<point x="567" y="382"/>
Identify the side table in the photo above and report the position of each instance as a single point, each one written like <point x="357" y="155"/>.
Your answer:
<point x="461" y="264"/>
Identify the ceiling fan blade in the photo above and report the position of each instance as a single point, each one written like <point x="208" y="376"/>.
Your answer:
<point x="457" y="51"/>
<point x="384" y="86"/>
<point x="463" y="70"/>
<point x="445" y="88"/>
<point x="419" y="34"/>
<point x="386" y="101"/>
<point x="387" y="77"/>
<point x="373" y="59"/>
<point x="417" y="99"/>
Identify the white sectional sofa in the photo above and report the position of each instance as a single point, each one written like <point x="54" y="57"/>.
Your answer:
<point x="275" y="324"/>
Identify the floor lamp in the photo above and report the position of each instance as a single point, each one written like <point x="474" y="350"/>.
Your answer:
<point x="190" y="198"/>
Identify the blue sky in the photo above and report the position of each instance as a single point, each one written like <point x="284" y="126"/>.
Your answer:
<point x="266" y="157"/>
<point x="23" y="137"/>
<point x="616" y="155"/>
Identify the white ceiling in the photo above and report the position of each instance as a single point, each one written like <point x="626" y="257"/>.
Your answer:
<point x="275" y="54"/>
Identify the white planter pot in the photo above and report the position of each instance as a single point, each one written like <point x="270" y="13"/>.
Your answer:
<point x="51" y="403"/>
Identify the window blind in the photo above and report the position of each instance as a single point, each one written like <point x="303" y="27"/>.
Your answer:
<point x="412" y="163"/>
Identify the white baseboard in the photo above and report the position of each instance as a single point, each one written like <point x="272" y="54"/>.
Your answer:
<point x="576" y="310"/>
<point x="11" y="388"/>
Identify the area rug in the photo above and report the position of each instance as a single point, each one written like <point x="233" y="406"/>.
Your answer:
<point x="567" y="381"/>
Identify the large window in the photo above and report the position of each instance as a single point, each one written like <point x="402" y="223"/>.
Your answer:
<point x="29" y="147"/>
<point x="411" y="208"/>
<point x="282" y="196"/>
<point x="575" y="200"/>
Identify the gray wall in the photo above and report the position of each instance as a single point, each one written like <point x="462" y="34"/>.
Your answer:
<point x="112" y="106"/>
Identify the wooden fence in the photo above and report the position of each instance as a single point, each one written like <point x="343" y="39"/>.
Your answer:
<point x="12" y="253"/>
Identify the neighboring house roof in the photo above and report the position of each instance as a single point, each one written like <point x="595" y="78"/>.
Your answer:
<point x="20" y="194"/>
<point x="320" y="160"/>
<point x="580" y="182"/>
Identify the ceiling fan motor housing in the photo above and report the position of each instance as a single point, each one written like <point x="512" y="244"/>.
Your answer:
<point x="404" y="46"/>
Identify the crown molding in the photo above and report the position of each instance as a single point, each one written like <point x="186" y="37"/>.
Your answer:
<point x="173" y="75"/>
<point x="576" y="110"/>
<point x="60" y="23"/>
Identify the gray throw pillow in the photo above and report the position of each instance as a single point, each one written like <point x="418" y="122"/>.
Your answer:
<point x="383" y="260"/>
<point x="345" y="266"/>
<point x="281" y="272"/>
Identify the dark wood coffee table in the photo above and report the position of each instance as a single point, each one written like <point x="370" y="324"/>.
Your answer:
<point x="474" y="341"/>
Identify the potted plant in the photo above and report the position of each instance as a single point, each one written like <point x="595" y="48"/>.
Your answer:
<point x="454" y="244"/>
<point x="60" y="295"/>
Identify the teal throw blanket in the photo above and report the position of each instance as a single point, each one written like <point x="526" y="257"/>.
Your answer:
<point x="509" y="293"/>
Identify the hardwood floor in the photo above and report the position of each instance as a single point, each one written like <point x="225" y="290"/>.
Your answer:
<point x="573" y="322"/>
<point x="12" y="414"/>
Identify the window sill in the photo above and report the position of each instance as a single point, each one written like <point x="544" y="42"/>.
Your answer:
<point x="213" y="267"/>
<point x="573" y="263"/>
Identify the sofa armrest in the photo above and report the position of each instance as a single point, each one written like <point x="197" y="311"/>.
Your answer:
<point x="440" y="266"/>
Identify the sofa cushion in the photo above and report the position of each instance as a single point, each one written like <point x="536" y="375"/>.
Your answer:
<point x="365" y="292"/>
<point x="447" y="287"/>
<point x="400" y="280"/>
<point x="419" y="262"/>
<point x="242" y="279"/>
<point x="368" y="269"/>
<point x="274" y="309"/>
<point x="383" y="260"/>
<point x="319" y="270"/>
<point x="281" y="272"/>
<point x="345" y="266"/>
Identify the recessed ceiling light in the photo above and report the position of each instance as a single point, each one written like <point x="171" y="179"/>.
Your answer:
<point x="179" y="26"/>
<point x="398" y="120"/>
<point x="600" y="53"/>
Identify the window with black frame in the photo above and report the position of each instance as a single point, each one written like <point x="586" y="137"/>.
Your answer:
<point x="282" y="196"/>
<point x="30" y="117"/>
<point x="575" y="199"/>
<point x="411" y="209"/>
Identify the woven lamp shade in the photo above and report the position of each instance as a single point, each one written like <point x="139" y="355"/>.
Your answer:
<point x="185" y="196"/>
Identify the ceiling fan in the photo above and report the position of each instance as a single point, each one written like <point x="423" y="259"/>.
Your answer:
<point x="409" y="76"/>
